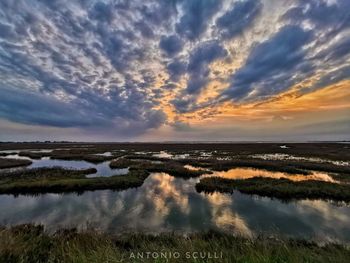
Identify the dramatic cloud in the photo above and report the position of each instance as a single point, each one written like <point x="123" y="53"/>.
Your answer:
<point x="238" y="18"/>
<point x="331" y="15"/>
<point x="199" y="61"/>
<point x="128" y="68"/>
<point x="196" y="17"/>
<point x="176" y="69"/>
<point x="171" y="45"/>
<point x="331" y="21"/>
<point x="271" y="65"/>
<point x="198" y="71"/>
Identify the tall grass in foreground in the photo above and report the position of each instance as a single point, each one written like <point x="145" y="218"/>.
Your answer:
<point x="28" y="243"/>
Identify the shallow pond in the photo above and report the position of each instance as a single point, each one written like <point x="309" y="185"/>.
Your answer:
<point x="165" y="203"/>
<point x="16" y="156"/>
<point x="104" y="154"/>
<point x="103" y="169"/>
<point x="29" y="150"/>
<point x="167" y="155"/>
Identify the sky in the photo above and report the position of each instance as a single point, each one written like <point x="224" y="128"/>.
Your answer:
<point x="174" y="70"/>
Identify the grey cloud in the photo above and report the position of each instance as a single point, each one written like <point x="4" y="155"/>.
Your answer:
<point x="63" y="79"/>
<point x="30" y="108"/>
<point x="145" y="29"/>
<point x="171" y="45"/>
<point x="272" y="65"/>
<point x="327" y="18"/>
<point x="198" y="71"/>
<point x="238" y="18"/>
<point x="6" y="31"/>
<point x="333" y="77"/>
<point x="176" y="69"/>
<point x="339" y="51"/>
<point x="196" y="17"/>
<point x="102" y="11"/>
<point x="330" y="20"/>
<point x="183" y="104"/>
<point x="198" y="67"/>
<point x="204" y="54"/>
<point x="158" y="13"/>
<point x="321" y="13"/>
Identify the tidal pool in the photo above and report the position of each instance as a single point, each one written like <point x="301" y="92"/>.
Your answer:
<point x="103" y="169"/>
<point x="167" y="155"/>
<point x="165" y="203"/>
<point x="16" y="156"/>
<point x="104" y="154"/>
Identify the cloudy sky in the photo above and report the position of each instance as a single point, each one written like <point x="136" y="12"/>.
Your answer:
<point x="160" y="70"/>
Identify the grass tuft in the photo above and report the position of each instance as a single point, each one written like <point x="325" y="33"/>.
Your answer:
<point x="29" y="243"/>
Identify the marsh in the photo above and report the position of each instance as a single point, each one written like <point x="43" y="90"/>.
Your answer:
<point x="167" y="200"/>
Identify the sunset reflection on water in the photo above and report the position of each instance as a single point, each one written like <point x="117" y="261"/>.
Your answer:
<point x="168" y="204"/>
<point x="246" y="173"/>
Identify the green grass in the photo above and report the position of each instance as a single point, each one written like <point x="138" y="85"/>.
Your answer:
<point x="58" y="180"/>
<point x="10" y="163"/>
<point x="279" y="188"/>
<point x="28" y="243"/>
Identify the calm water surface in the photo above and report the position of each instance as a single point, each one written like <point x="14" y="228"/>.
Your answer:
<point x="164" y="203"/>
<point x="103" y="169"/>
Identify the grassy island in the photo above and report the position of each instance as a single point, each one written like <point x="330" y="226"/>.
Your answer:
<point x="11" y="163"/>
<point x="57" y="180"/>
<point x="279" y="188"/>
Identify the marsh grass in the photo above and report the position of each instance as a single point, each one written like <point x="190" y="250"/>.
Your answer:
<point x="69" y="156"/>
<point x="11" y="163"/>
<point x="278" y="188"/>
<point x="58" y="180"/>
<point x="122" y="163"/>
<point x="7" y="153"/>
<point x="172" y="168"/>
<point x="28" y="243"/>
<point x="220" y="165"/>
<point x="332" y="151"/>
<point x="291" y="167"/>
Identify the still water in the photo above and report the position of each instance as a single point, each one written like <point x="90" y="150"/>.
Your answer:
<point x="103" y="169"/>
<point x="246" y="173"/>
<point x="164" y="203"/>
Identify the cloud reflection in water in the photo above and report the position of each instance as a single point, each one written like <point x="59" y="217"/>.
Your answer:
<point x="165" y="203"/>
